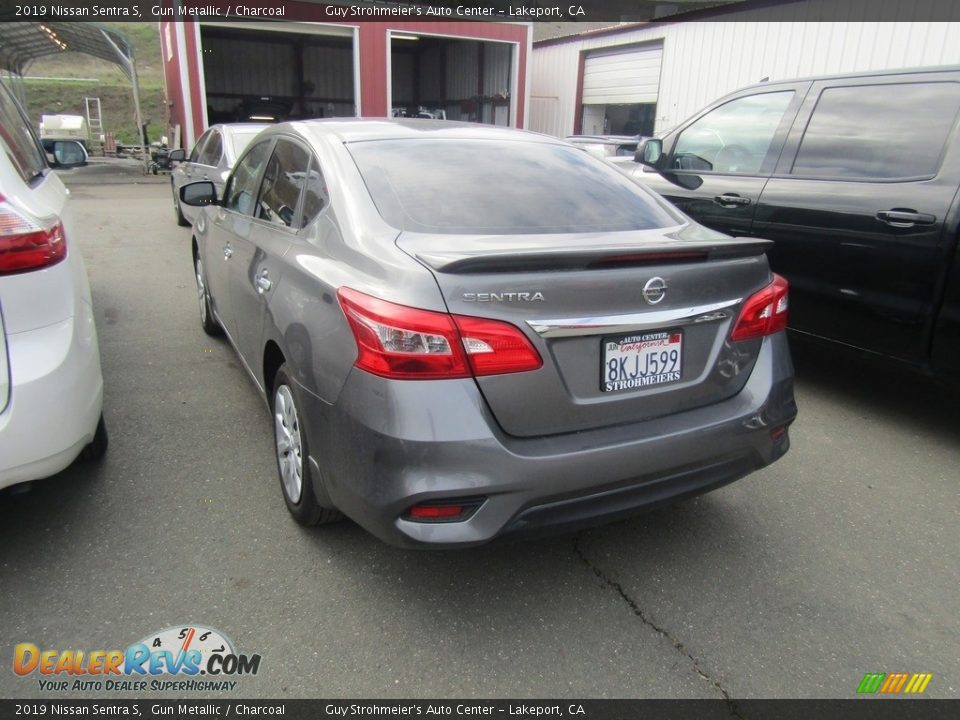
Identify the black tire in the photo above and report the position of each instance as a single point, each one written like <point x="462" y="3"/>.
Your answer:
<point x="181" y="220"/>
<point x="97" y="447"/>
<point x="303" y="506"/>
<point x="207" y="320"/>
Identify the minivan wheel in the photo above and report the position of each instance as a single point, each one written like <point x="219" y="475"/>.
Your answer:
<point x="207" y="321"/>
<point x="292" y="453"/>
<point x="181" y="220"/>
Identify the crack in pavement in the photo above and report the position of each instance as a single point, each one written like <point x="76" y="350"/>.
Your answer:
<point x="638" y="611"/>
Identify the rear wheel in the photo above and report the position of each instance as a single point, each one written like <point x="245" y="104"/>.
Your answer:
<point x="293" y="466"/>
<point x="98" y="446"/>
<point x="207" y="321"/>
<point x="181" y="220"/>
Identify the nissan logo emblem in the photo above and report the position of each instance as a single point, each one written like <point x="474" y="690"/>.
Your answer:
<point x="655" y="290"/>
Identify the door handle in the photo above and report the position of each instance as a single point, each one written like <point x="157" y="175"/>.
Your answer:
<point x="904" y="218"/>
<point x="731" y="199"/>
<point x="263" y="282"/>
<point x="227" y="252"/>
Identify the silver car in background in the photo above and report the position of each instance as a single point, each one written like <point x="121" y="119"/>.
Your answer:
<point x="212" y="158"/>
<point x="466" y="332"/>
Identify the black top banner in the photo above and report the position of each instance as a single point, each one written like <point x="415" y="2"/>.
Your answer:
<point x="613" y="11"/>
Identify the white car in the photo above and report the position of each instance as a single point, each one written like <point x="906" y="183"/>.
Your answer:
<point x="51" y="388"/>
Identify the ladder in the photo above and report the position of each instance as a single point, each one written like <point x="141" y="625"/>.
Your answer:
<point x="94" y="120"/>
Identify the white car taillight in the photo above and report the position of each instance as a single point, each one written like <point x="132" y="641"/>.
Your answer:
<point x="27" y="243"/>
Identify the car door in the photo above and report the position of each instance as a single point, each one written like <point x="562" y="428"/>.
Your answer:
<point x="230" y="222"/>
<point x="257" y="262"/>
<point x="717" y="164"/>
<point x="856" y="209"/>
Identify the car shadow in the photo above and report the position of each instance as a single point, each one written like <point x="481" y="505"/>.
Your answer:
<point x="879" y="388"/>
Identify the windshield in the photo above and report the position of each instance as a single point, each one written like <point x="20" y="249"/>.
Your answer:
<point x="501" y="187"/>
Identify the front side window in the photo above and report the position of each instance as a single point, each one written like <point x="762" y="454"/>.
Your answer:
<point x="242" y="188"/>
<point x="17" y="140"/>
<point x="733" y="138"/>
<point x="877" y="132"/>
<point x="212" y="150"/>
<point x="471" y="186"/>
<point x="285" y="176"/>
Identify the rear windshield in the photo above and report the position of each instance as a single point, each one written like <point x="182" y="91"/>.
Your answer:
<point x="240" y="139"/>
<point x="499" y="187"/>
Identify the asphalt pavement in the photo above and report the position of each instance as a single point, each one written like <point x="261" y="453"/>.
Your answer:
<point x="838" y="560"/>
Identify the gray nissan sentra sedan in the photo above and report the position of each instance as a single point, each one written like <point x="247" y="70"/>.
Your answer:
<point x="466" y="332"/>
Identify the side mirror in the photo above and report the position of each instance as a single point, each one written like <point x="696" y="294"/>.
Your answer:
<point x="68" y="154"/>
<point x="177" y="155"/>
<point x="199" y="194"/>
<point x="649" y="152"/>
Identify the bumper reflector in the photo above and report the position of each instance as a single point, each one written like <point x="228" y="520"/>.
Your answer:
<point x="443" y="511"/>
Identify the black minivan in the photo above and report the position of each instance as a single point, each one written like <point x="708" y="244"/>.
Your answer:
<point x="855" y="178"/>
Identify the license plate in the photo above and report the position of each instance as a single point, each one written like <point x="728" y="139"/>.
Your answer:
<point x="635" y="361"/>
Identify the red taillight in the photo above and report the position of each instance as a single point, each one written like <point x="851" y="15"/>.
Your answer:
<point x="27" y="244"/>
<point x="764" y="312"/>
<point x="401" y="342"/>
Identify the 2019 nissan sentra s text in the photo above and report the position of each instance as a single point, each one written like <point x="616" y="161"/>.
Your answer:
<point x="466" y="332"/>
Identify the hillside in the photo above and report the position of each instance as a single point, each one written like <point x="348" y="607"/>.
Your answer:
<point x="59" y="83"/>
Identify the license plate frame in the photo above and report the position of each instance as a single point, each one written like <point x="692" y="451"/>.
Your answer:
<point x="633" y="365"/>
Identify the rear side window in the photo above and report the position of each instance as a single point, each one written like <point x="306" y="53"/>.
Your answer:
<point x="195" y="153"/>
<point x="463" y="186"/>
<point x="212" y="150"/>
<point x="878" y="132"/>
<point x="315" y="197"/>
<point x="17" y="140"/>
<point x="242" y="189"/>
<point x="285" y="176"/>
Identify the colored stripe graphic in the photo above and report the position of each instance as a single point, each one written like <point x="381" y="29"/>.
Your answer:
<point x="918" y="683"/>
<point x="871" y="682"/>
<point x="894" y="683"/>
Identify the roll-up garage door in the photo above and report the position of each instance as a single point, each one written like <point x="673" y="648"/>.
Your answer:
<point x="622" y="76"/>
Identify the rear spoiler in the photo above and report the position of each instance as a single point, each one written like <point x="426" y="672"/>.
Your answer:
<point x="477" y="256"/>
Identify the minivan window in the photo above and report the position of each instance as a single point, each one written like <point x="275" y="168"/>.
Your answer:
<point x="242" y="188"/>
<point x="878" y="132"/>
<point x="470" y="186"/>
<point x="732" y="138"/>
<point x="17" y="140"/>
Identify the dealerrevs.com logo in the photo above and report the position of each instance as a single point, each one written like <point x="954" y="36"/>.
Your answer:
<point x="178" y="659"/>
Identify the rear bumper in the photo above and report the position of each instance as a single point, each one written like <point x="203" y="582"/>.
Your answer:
<point x="387" y="445"/>
<point x="56" y="397"/>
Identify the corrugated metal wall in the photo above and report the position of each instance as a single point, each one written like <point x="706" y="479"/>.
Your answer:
<point x="450" y="74"/>
<point x="704" y="60"/>
<point x="248" y="66"/>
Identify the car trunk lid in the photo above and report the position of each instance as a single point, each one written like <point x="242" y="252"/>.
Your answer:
<point x="601" y="309"/>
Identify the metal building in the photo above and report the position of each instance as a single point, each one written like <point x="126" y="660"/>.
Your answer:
<point x="643" y="78"/>
<point x="237" y="71"/>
